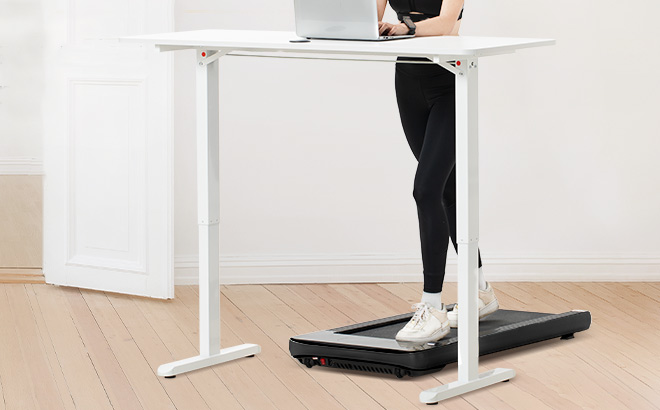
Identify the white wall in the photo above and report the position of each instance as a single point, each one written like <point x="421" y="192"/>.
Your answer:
<point x="21" y="86"/>
<point x="316" y="175"/>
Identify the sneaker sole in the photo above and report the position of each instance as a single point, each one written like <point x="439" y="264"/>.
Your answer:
<point x="487" y="310"/>
<point x="442" y="332"/>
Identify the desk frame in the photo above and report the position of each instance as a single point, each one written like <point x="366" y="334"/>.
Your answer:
<point x="208" y="213"/>
<point x="467" y="180"/>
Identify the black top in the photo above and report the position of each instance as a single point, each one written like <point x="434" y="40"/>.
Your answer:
<point x="429" y="8"/>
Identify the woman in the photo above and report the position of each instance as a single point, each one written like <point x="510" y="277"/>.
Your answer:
<point x="426" y="98"/>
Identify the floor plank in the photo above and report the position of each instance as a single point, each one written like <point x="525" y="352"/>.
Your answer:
<point x="81" y="376"/>
<point x="267" y="311"/>
<point x="593" y="375"/>
<point x="117" y="386"/>
<point x="271" y="385"/>
<point x="234" y="376"/>
<point x="47" y="343"/>
<point x="18" y="387"/>
<point x="210" y="386"/>
<point x="139" y="374"/>
<point x="604" y="354"/>
<point x="180" y="390"/>
<point x="46" y="391"/>
<point x="66" y="348"/>
<point x="306" y="389"/>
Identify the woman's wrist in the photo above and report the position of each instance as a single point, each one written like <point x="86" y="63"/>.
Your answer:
<point x="410" y="25"/>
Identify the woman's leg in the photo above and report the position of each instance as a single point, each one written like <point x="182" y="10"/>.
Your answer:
<point x="429" y="126"/>
<point x="430" y="321"/>
<point x="436" y="161"/>
<point x="427" y="109"/>
<point x="413" y="108"/>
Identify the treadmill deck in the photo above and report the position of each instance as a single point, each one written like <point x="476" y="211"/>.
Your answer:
<point x="370" y="346"/>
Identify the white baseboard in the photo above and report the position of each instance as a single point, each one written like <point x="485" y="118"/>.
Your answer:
<point x="21" y="166"/>
<point x="407" y="268"/>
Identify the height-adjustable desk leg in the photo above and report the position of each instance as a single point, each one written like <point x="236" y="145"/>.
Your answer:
<point x="467" y="231"/>
<point x="208" y="196"/>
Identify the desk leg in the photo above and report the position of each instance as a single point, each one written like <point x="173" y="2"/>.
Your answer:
<point x="208" y="197"/>
<point x="467" y="221"/>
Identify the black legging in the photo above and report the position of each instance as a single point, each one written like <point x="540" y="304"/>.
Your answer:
<point x="425" y="95"/>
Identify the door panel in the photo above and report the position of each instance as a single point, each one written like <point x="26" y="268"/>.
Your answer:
<point x="107" y="148"/>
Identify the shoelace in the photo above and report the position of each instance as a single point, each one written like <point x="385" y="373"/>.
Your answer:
<point x="422" y="311"/>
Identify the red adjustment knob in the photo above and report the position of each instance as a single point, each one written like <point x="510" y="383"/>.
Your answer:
<point x="457" y="63"/>
<point x="203" y="54"/>
<point x="323" y="361"/>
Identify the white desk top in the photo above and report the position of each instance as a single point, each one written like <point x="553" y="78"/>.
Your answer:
<point x="269" y="41"/>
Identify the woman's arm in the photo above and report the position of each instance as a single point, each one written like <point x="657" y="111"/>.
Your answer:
<point x="381" y="9"/>
<point x="442" y="25"/>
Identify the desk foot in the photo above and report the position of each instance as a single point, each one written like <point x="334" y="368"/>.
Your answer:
<point x="198" y="362"/>
<point x="436" y="394"/>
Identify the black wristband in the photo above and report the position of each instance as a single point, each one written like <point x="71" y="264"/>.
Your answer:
<point x="409" y="23"/>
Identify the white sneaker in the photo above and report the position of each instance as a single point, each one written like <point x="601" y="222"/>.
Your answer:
<point x="428" y="324"/>
<point x="487" y="305"/>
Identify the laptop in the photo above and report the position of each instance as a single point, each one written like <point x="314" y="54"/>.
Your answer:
<point x="339" y="20"/>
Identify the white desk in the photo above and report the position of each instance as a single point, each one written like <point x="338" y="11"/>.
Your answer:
<point x="213" y="44"/>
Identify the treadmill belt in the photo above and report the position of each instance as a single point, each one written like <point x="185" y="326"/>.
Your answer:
<point x="371" y="346"/>
<point x="488" y="324"/>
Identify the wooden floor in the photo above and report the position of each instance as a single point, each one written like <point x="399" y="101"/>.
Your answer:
<point x="66" y="348"/>
<point x="21" y="201"/>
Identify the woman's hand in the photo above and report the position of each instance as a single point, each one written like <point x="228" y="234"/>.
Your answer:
<point x="387" y="29"/>
<point x="384" y="28"/>
<point x="399" y="30"/>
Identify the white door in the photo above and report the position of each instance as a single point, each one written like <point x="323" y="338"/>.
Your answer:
<point x="108" y="147"/>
